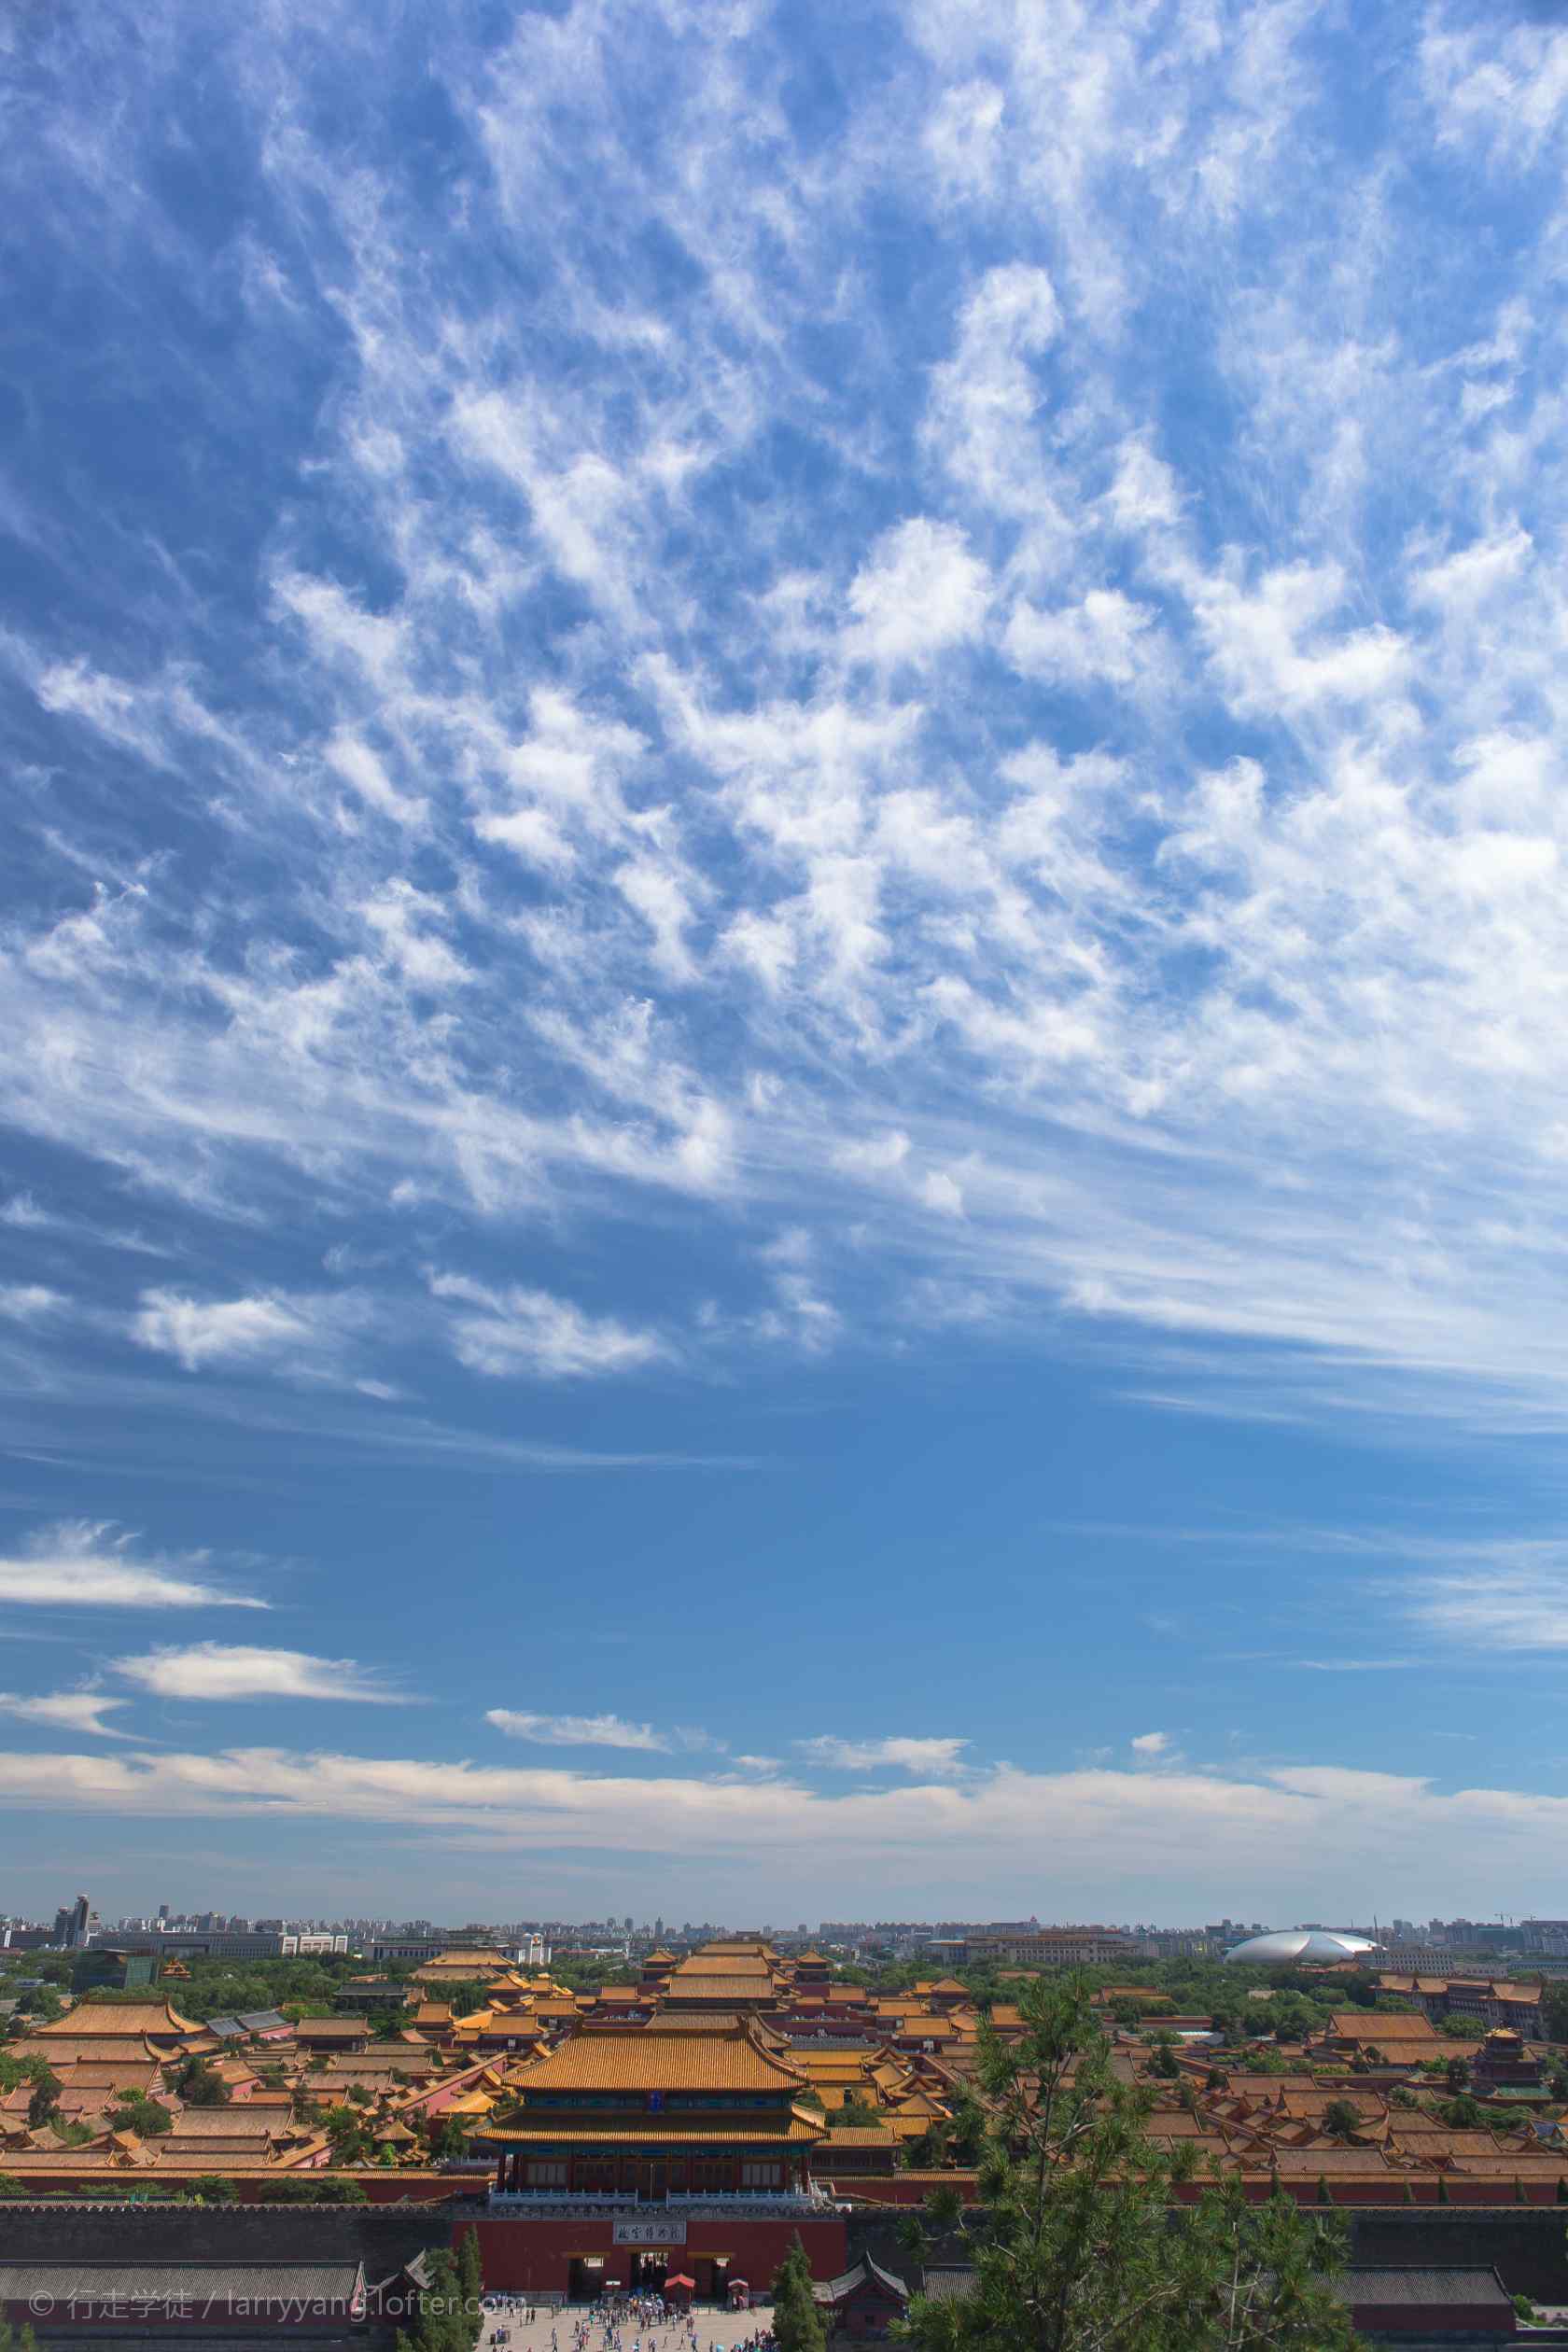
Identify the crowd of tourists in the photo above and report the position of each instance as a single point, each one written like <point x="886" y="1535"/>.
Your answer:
<point x="619" y="2322"/>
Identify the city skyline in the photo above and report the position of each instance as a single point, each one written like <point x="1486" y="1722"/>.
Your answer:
<point x="78" y="1923"/>
<point x="781" y="1053"/>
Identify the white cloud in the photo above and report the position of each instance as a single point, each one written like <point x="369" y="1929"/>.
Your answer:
<point x="920" y="592"/>
<point x="1277" y="646"/>
<point x="226" y="1670"/>
<point x="1105" y="639"/>
<point x="560" y="790"/>
<point x="939" y="1759"/>
<point x="22" y="1212"/>
<point x="1493" y="1608"/>
<point x="27" y="1302"/>
<point x="529" y="1333"/>
<point x="1293" y="1839"/>
<point x="603" y="1730"/>
<point x="317" y="1339"/>
<point x="359" y="766"/>
<point x="659" y="895"/>
<point x="65" y="1711"/>
<point x="223" y="1331"/>
<point x="962" y="136"/>
<point x="1152" y="1743"/>
<point x="80" y="1563"/>
<point x="877" y="1155"/>
<point x="981" y="423"/>
<point x="406" y="924"/>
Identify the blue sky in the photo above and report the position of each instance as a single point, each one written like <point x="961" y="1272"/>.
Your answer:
<point x="783" y="957"/>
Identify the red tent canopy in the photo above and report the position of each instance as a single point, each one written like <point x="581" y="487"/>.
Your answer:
<point x="680" y="2280"/>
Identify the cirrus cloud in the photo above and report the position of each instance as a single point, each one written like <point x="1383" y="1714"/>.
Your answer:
<point x="527" y="1332"/>
<point x="226" y="1671"/>
<point x="83" y="1564"/>
<point x="941" y="1758"/>
<point x="219" y="1331"/>
<point x="65" y="1711"/>
<point x="600" y="1730"/>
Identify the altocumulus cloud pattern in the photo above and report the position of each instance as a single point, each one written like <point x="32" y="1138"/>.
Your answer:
<point x="951" y="620"/>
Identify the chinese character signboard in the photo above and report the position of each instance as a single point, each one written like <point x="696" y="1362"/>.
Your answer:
<point x="651" y="2232"/>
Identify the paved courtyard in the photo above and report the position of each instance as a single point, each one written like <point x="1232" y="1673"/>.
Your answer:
<point x="582" y="2327"/>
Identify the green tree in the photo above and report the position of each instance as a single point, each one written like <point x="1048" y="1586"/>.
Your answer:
<point x="448" y="2136"/>
<point x="1341" y="2118"/>
<point x="969" y="2129"/>
<point x="45" y="2099"/>
<point x="471" y="2278"/>
<point x="1457" y="2074"/>
<point x="134" y="2111"/>
<point x="1554" y="2010"/>
<point x="797" y="2317"/>
<point x="200" y="2085"/>
<point x="1075" y="2244"/>
<point x="213" y="2188"/>
<point x="929" y="2152"/>
<point x="347" y="2136"/>
<point x="441" y="2324"/>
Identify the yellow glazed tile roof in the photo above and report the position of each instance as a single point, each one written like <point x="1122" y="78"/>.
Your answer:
<point x="636" y="2061"/>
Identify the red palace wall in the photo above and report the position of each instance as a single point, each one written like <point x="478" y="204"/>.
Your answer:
<point x="521" y="2255"/>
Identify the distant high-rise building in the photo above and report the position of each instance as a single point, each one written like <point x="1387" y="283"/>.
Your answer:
<point x="71" y="1924"/>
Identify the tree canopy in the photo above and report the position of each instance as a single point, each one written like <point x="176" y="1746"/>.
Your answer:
<point x="1076" y="2245"/>
<point x="797" y="2317"/>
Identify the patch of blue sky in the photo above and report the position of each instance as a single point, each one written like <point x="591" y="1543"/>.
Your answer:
<point x="766" y="752"/>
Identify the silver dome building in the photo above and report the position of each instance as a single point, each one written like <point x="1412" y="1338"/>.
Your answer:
<point x="1309" y="1946"/>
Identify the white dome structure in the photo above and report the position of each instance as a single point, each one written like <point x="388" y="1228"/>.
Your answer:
<point x="1313" y="1947"/>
